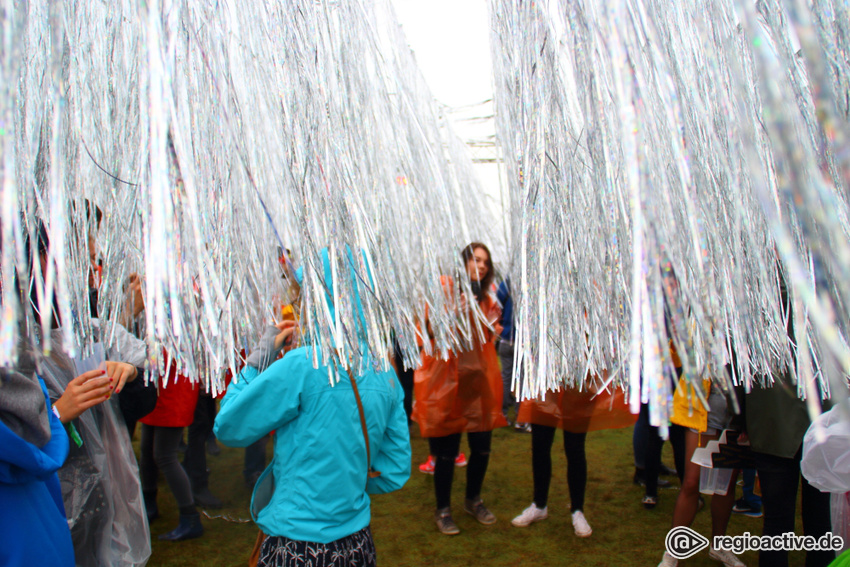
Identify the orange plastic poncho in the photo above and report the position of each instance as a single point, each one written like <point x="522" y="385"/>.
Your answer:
<point x="579" y="411"/>
<point x="463" y="393"/>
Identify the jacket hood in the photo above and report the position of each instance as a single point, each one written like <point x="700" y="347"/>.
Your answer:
<point x="22" y="461"/>
<point x="356" y="278"/>
<point x="22" y="407"/>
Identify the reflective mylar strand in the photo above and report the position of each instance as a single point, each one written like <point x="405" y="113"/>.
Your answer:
<point x="212" y="136"/>
<point x="648" y="142"/>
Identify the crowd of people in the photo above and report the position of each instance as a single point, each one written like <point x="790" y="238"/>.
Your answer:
<point x="81" y="497"/>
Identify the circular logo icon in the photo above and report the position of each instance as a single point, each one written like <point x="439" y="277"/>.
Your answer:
<point x="683" y="542"/>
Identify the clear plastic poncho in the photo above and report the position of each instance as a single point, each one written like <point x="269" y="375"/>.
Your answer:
<point x="826" y="463"/>
<point x="100" y="480"/>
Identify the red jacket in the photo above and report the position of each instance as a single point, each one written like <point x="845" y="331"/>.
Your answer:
<point x="175" y="406"/>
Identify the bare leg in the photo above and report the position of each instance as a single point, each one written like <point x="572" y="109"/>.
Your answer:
<point x="688" y="500"/>
<point x="721" y="507"/>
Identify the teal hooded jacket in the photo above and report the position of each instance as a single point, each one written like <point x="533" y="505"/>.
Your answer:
<point x="316" y="487"/>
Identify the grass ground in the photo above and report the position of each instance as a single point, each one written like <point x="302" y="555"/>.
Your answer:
<point x="624" y="533"/>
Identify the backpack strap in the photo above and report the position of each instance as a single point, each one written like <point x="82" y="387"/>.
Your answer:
<point x="371" y="472"/>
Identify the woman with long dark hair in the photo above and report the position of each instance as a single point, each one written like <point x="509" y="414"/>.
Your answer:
<point x="463" y="393"/>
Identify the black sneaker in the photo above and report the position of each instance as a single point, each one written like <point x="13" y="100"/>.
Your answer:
<point x="741" y="507"/>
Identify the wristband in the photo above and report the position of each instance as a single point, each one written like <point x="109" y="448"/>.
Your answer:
<point x="72" y="431"/>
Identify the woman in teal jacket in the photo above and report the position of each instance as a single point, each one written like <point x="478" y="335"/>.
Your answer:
<point x="312" y="500"/>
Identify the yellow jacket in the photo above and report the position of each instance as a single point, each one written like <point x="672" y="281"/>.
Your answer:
<point x="688" y="411"/>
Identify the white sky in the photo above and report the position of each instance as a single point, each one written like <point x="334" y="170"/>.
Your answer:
<point x="451" y="42"/>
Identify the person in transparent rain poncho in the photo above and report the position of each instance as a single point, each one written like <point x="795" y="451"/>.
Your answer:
<point x="100" y="479"/>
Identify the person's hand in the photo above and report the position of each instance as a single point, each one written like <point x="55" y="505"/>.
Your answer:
<point x="287" y="330"/>
<point x="120" y="373"/>
<point x="464" y="305"/>
<point x="134" y="293"/>
<point x="83" y="392"/>
<point x="134" y="301"/>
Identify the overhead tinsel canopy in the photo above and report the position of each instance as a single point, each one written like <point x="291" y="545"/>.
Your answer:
<point x="677" y="169"/>
<point x="212" y="137"/>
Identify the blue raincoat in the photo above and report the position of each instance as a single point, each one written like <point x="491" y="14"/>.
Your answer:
<point x="316" y="487"/>
<point x="32" y="516"/>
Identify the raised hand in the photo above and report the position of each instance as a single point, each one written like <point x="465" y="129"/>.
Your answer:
<point x="287" y="330"/>
<point x="83" y="392"/>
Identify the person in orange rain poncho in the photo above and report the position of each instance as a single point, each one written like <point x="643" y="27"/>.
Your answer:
<point x="463" y="393"/>
<point x="575" y="412"/>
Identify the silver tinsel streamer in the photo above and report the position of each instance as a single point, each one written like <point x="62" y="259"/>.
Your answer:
<point x="212" y="136"/>
<point x="673" y="165"/>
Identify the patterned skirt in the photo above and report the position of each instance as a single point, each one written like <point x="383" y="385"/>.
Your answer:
<point x="356" y="550"/>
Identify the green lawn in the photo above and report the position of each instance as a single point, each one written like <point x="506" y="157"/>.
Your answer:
<point x="624" y="533"/>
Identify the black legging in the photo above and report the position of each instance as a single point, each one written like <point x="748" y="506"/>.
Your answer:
<point x="159" y="452"/>
<point x="654" y="444"/>
<point x="445" y="450"/>
<point x="542" y="437"/>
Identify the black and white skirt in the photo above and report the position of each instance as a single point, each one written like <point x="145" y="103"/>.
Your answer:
<point x="356" y="550"/>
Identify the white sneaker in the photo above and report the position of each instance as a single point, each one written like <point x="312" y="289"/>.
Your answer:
<point x="668" y="561"/>
<point x="530" y="515"/>
<point x="580" y="524"/>
<point x="728" y="558"/>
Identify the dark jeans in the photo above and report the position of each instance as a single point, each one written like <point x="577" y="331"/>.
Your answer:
<point x="653" y="444"/>
<point x="542" y="438"/>
<point x="779" y="479"/>
<point x="445" y="450"/>
<point x="195" y="459"/>
<point x="750" y="497"/>
<point x="159" y="453"/>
